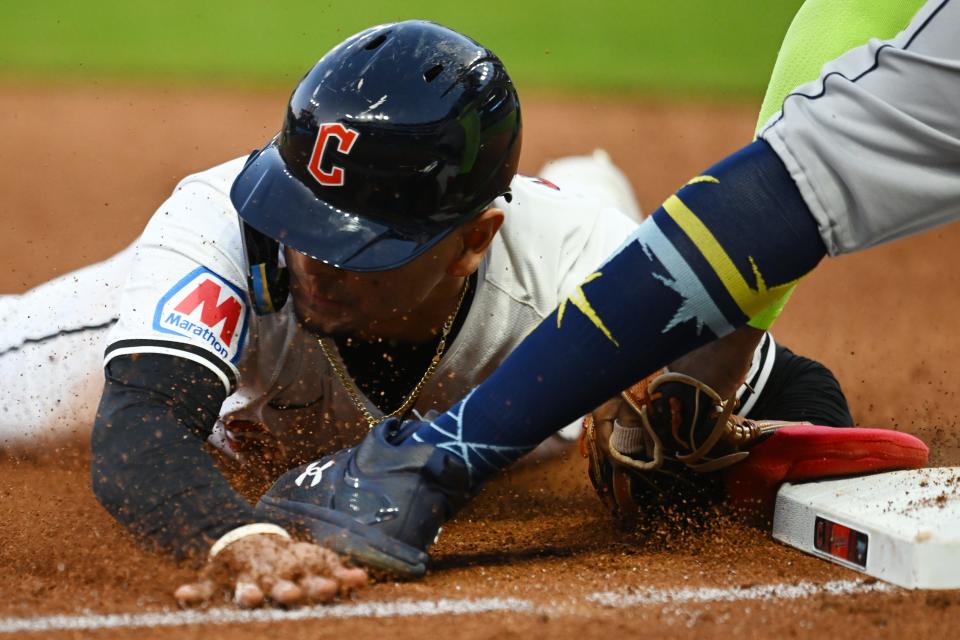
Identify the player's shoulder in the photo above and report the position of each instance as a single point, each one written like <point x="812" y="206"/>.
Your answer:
<point x="545" y="232"/>
<point x="205" y="194"/>
<point x="541" y="215"/>
<point x="548" y="206"/>
<point x="198" y="222"/>
<point x="199" y="208"/>
<point x="218" y="178"/>
<point x="185" y="294"/>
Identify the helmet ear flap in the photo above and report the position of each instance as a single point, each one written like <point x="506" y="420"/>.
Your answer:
<point x="268" y="282"/>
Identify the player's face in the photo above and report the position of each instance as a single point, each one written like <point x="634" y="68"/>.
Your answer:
<point x="381" y="304"/>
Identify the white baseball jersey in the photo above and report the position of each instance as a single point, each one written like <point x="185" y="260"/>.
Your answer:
<point x="874" y="143"/>
<point x="185" y="296"/>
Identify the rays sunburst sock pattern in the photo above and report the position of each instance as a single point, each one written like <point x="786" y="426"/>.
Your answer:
<point x="720" y="250"/>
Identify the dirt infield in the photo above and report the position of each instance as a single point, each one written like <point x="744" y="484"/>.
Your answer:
<point x="535" y="555"/>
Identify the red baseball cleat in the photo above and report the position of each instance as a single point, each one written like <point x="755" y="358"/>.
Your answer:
<point x="808" y="452"/>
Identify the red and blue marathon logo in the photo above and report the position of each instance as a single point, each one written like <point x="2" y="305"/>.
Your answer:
<point x="208" y="310"/>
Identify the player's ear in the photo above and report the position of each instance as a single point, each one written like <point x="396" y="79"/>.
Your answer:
<point x="476" y="236"/>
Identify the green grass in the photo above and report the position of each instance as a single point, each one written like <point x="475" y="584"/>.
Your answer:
<point x="694" y="47"/>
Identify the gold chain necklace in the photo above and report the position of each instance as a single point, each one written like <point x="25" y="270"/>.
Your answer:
<point x="354" y="393"/>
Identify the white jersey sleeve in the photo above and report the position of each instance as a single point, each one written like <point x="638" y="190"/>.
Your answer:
<point x="608" y="231"/>
<point x="554" y="237"/>
<point x="185" y="293"/>
<point x="874" y="144"/>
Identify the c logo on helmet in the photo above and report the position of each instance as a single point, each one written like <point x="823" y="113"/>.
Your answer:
<point x="345" y="138"/>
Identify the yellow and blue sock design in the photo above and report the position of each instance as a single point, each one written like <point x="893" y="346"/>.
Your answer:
<point x="716" y="253"/>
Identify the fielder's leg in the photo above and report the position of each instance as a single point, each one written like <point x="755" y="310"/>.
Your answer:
<point x="720" y="250"/>
<point x="51" y="353"/>
<point x="723" y="364"/>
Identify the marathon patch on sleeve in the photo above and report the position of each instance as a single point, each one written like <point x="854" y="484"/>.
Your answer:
<point x="208" y="310"/>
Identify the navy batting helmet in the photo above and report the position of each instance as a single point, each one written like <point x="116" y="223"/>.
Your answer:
<point x="393" y="139"/>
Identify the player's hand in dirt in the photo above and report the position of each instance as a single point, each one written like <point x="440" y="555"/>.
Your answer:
<point x="266" y="567"/>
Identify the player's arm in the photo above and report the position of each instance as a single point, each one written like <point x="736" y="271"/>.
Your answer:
<point x="171" y="360"/>
<point x="173" y="357"/>
<point x="800" y="389"/>
<point x="150" y="472"/>
<point x="149" y="469"/>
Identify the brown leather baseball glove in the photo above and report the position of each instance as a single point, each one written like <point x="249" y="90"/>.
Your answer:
<point x="662" y="442"/>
